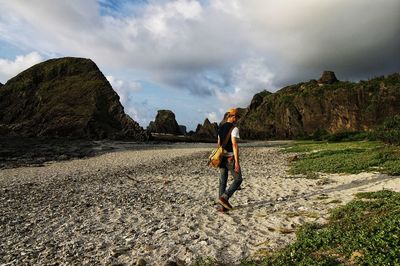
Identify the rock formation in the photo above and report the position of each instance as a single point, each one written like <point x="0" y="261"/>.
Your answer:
<point x="198" y="128"/>
<point x="328" y="77"/>
<point x="258" y="99"/>
<point x="207" y="131"/>
<point x="66" y="97"/>
<point x="182" y="129"/>
<point x="304" y="108"/>
<point x="164" y="123"/>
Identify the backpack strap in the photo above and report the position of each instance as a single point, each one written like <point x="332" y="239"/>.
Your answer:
<point x="227" y="136"/>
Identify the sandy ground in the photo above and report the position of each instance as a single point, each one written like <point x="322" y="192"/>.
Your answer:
<point x="159" y="205"/>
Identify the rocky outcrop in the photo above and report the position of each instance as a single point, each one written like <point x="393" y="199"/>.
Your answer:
<point x="258" y="99"/>
<point x="182" y="129"/>
<point x="328" y="77"/>
<point x="198" y="128"/>
<point x="66" y="97"/>
<point x="207" y="131"/>
<point x="304" y="108"/>
<point x="164" y="123"/>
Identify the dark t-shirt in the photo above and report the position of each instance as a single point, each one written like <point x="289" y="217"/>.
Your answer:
<point x="222" y="132"/>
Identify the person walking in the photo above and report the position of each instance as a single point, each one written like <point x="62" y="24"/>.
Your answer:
<point x="230" y="161"/>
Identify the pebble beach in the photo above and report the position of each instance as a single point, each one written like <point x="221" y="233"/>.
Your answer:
<point x="157" y="206"/>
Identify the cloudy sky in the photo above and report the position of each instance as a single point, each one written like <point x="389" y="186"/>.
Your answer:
<point x="199" y="58"/>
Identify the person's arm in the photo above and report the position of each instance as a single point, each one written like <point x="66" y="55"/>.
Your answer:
<point x="236" y="154"/>
<point x="219" y="141"/>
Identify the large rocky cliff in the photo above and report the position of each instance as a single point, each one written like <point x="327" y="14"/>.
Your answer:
<point x="66" y="97"/>
<point x="326" y="104"/>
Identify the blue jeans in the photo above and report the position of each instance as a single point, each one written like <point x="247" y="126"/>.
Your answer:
<point x="223" y="180"/>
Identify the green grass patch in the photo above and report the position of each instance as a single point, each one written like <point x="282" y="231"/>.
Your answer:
<point x="345" y="157"/>
<point x="366" y="231"/>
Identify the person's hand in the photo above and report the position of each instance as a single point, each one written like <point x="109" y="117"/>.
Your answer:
<point x="237" y="167"/>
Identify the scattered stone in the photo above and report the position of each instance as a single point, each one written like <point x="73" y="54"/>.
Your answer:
<point x="293" y="158"/>
<point x="120" y="251"/>
<point x="324" y="181"/>
<point x="286" y="230"/>
<point x="141" y="262"/>
<point x="175" y="263"/>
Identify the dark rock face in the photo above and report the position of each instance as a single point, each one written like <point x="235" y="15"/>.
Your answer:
<point x="198" y="128"/>
<point x="258" y="99"/>
<point x="304" y="108"/>
<point x="207" y="131"/>
<point x="66" y="97"/>
<point x="190" y="133"/>
<point x="164" y="123"/>
<point x="182" y="128"/>
<point x="328" y="77"/>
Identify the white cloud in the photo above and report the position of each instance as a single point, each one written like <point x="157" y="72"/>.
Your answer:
<point x="141" y="112"/>
<point x="226" y="48"/>
<point x="123" y="88"/>
<point x="10" y="68"/>
<point x="299" y="39"/>
<point x="126" y="91"/>
<point x="231" y="7"/>
<point x="248" y="78"/>
<point x="160" y="20"/>
<point x="212" y="116"/>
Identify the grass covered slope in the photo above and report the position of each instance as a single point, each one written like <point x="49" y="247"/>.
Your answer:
<point x="366" y="231"/>
<point x="345" y="157"/>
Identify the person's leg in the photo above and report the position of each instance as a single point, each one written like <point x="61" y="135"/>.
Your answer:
<point x="223" y="179"/>
<point x="237" y="180"/>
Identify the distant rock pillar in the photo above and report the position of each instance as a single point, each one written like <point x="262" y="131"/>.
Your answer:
<point x="328" y="77"/>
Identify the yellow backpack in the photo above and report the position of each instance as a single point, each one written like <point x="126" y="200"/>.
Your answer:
<point x="217" y="154"/>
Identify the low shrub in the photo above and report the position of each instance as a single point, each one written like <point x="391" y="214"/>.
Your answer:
<point x="389" y="132"/>
<point x="323" y="135"/>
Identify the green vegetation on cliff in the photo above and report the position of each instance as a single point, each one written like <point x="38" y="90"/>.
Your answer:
<point x="297" y="111"/>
